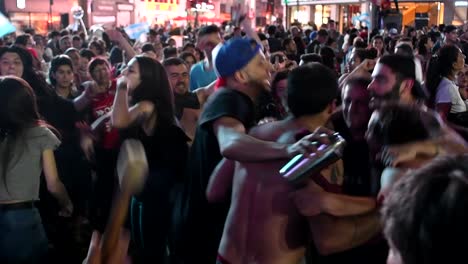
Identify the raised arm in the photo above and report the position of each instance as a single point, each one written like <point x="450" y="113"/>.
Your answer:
<point x="123" y="43"/>
<point x="122" y="115"/>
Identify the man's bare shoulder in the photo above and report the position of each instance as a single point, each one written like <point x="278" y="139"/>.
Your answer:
<point x="272" y="131"/>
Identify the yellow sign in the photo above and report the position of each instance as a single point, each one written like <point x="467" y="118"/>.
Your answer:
<point x="153" y="6"/>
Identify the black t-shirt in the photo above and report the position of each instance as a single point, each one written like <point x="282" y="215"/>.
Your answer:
<point x="356" y="160"/>
<point x="188" y="100"/>
<point x="206" y="221"/>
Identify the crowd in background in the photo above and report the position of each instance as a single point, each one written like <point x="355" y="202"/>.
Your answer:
<point x="399" y="98"/>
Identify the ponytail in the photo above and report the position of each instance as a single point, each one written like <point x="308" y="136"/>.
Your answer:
<point x="433" y="79"/>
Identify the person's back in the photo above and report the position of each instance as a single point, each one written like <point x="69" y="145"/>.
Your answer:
<point x="270" y="229"/>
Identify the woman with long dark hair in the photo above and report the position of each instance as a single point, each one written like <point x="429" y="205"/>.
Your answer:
<point x="61" y="114"/>
<point x="379" y="44"/>
<point x="26" y="149"/>
<point x="424" y="51"/>
<point x="149" y="117"/>
<point x="440" y="82"/>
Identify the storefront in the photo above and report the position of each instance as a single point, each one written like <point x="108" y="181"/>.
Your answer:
<point x="40" y="15"/>
<point x="321" y="11"/>
<point x="426" y="13"/>
<point x="158" y="12"/>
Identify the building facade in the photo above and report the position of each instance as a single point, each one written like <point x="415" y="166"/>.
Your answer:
<point x="44" y="15"/>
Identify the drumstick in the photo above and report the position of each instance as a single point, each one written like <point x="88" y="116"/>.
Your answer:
<point x="132" y="168"/>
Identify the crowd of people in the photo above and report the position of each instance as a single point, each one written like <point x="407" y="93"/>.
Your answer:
<point x="218" y="118"/>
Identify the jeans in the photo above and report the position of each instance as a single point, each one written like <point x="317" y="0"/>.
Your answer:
<point x="22" y="237"/>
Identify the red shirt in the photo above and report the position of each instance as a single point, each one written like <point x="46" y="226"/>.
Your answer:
<point x="101" y="105"/>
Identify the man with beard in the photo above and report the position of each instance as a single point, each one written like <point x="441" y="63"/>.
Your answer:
<point x="187" y="104"/>
<point x="394" y="80"/>
<point x="227" y="117"/>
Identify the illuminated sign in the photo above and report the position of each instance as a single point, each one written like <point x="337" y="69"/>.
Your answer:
<point x="21" y="4"/>
<point x="318" y="2"/>
<point x="203" y="7"/>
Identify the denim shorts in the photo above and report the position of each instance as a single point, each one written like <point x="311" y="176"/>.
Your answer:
<point x="22" y="237"/>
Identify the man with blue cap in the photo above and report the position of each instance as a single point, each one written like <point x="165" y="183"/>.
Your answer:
<point x="227" y="117"/>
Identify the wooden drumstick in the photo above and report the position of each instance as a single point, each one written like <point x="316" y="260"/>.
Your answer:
<point x="132" y="169"/>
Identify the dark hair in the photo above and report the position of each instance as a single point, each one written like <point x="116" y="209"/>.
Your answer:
<point x="360" y="44"/>
<point x="169" y="52"/>
<point x="188" y="45"/>
<point x="304" y="99"/>
<point x="328" y="57"/>
<point x="18" y="111"/>
<point x="76" y="37"/>
<point x="330" y="41"/>
<point x="262" y="36"/>
<point x="400" y="65"/>
<point x="404" y="68"/>
<point x="286" y="42"/>
<point x="449" y="29"/>
<point x="434" y="36"/>
<point x="356" y="82"/>
<point x="96" y="62"/>
<point x="98" y="46"/>
<point x="148" y="47"/>
<point x="53" y="34"/>
<point x="33" y="78"/>
<point x="71" y="50"/>
<point x="422" y="50"/>
<point x="440" y="65"/>
<point x="173" y="62"/>
<point x="56" y="62"/>
<point x="278" y="77"/>
<point x="153" y="73"/>
<point x="186" y="54"/>
<point x="322" y="33"/>
<point x="87" y="53"/>
<point x="269" y="104"/>
<point x="425" y="214"/>
<point x="22" y="39"/>
<point x="351" y="38"/>
<point x="311" y="57"/>
<point x="271" y="30"/>
<point x="405" y="50"/>
<point x="397" y="117"/>
<point x="64" y="32"/>
<point x="207" y="30"/>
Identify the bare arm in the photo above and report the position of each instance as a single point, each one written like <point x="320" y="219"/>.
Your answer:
<point x="122" y="116"/>
<point x="234" y="144"/>
<point x="220" y="181"/>
<point x="336" y="234"/>
<point x="313" y="200"/>
<point x="54" y="184"/>
<point x="123" y="43"/>
<point x="83" y="101"/>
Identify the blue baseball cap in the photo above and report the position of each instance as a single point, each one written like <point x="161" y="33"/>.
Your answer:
<point x="234" y="55"/>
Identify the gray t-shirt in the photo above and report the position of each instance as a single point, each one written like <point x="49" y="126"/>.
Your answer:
<point x="24" y="171"/>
